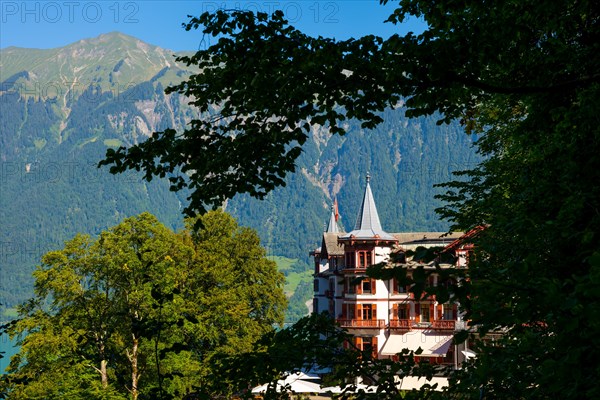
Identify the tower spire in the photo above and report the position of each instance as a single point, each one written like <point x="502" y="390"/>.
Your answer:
<point x="368" y="218"/>
<point x="368" y="224"/>
<point x="333" y="227"/>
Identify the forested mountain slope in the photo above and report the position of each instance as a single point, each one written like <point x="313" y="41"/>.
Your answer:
<point x="405" y="158"/>
<point x="62" y="108"/>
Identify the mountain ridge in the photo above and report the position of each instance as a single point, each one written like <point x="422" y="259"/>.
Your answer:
<point x="50" y="145"/>
<point x="113" y="62"/>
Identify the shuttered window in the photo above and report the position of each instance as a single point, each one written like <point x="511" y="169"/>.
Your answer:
<point x="401" y="311"/>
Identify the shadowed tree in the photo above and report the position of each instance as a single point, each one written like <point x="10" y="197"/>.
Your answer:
<point x="524" y="75"/>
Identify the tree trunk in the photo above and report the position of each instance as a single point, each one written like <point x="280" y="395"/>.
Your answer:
<point x="103" y="363"/>
<point x="133" y="360"/>
<point x="104" y="374"/>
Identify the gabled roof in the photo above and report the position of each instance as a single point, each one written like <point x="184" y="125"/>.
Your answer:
<point x="367" y="224"/>
<point x="438" y="238"/>
<point x="330" y="245"/>
<point x="465" y="238"/>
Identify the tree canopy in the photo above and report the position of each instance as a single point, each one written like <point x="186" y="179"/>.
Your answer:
<point x="524" y="75"/>
<point x="140" y="311"/>
<point x="264" y="84"/>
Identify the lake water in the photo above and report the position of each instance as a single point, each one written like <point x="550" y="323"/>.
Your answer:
<point x="9" y="350"/>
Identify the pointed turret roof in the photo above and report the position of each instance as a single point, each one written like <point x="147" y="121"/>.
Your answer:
<point x="333" y="226"/>
<point x="367" y="224"/>
<point x="330" y="245"/>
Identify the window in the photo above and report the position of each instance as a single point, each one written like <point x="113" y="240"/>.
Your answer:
<point x="316" y="286"/>
<point x="366" y="286"/>
<point x="350" y="260"/>
<point x="348" y="311"/>
<point x="349" y="286"/>
<point x="367" y="344"/>
<point x="365" y="258"/>
<point x="430" y="281"/>
<point x="366" y="312"/>
<point x="340" y="263"/>
<point x="397" y="287"/>
<point x="449" y="311"/>
<point x="369" y="311"/>
<point x="315" y="306"/>
<point x="356" y="285"/>
<point x="401" y="311"/>
<point x="425" y="317"/>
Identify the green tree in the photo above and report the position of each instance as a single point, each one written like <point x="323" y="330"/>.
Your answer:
<point x="138" y="312"/>
<point x="524" y="75"/>
<point x="235" y="289"/>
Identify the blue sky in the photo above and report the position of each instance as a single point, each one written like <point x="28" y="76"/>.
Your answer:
<point x="48" y="24"/>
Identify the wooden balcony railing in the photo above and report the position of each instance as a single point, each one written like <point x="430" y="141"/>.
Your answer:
<point x="362" y="323"/>
<point x="401" y="323"/>
<point x="409" y="324"/>
<point x="443" y="324"/>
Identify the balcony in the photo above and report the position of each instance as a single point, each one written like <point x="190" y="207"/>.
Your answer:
<point x="409" y="324"/>
<point x="362" y="323"/>
<point x="401" y="323"/>
<point x="443" y="324"/>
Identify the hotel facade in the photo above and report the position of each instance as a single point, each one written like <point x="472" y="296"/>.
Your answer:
<point x="382" y="315"/>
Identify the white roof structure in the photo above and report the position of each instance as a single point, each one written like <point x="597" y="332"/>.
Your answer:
<point x="296" y="382"/>
<point x="433" y="344"/>
<point x="414" y="382"/>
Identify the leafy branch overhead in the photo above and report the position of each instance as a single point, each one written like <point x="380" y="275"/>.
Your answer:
<point x="264" y="85"/>
<point x="257" y="91"/>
